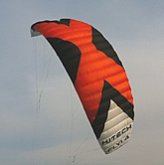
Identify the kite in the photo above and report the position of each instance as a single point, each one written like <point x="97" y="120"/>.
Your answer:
<point x="98" y="76"/>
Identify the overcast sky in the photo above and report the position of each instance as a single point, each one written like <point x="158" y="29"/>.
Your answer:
<point x="58" y="131"/>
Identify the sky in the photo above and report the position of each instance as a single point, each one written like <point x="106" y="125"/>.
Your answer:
<point x="55" y="130"/>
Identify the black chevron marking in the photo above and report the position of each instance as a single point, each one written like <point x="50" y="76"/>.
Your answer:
<point x="109" y="93"/>
<point x="103" y="45"/>
<point x="63" y="21"/>
<point x="69" y="55"/>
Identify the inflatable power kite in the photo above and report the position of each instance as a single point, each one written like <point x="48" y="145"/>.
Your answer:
<point x="98" y="77"/>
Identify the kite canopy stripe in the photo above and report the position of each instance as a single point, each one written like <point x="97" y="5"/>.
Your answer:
<point x="98" y="77"/>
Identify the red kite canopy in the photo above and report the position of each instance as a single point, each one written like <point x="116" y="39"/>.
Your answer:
<point x="98" y="77"/>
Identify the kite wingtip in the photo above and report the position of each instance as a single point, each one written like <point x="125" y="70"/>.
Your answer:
<point x="34" y="33"/>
